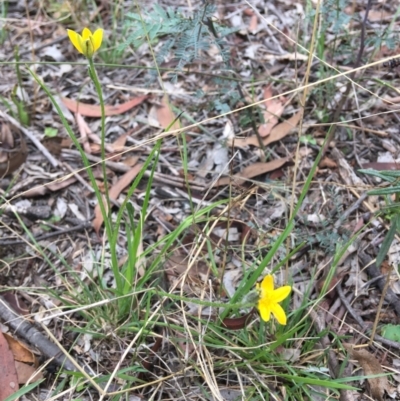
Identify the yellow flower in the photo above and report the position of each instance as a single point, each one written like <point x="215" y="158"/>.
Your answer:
<point x="269" y="299"/>
<point x="87" y="44"/>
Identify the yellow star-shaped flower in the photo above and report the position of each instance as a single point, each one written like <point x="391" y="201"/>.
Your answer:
<point x="87" y="43"/>
<point x="270" y="298"/>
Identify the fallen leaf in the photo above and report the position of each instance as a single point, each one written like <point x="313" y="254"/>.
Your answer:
<point x="14" y="158"/>
<point x="277" y="133"/>
<point x="57" y="185"/>
<point x="327" y="162"/>
<point x="251" y="171"/>
<point x="55" y="144"/>
<point x="165" y="116"/>
<point x="20" y="351"/>
<point x="8" y="378"/>
<point x="253" y="25"/>
<point x="113" y="193"/>
<point x="117" y="147"/>
<point x="371" y="366"/>
<point x="237" y="323"/>
<point x="130" y="161"/>
<point x="92" y="110"/>
<point x="26" y="373"/>
<point x="282" y="129"/>
<point x="191" y="279"/>
<point x="85" y="131"/>
<point x="15" y="302"/>
<point x="376" y="15"/>
<point x="382" y="166"/>
<point x="274" y="109"/>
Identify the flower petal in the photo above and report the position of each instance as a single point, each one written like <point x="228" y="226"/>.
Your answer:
<point x="279" y="313"/>
<point x="267" y="284"/>
<point x="265" y="310"/>
<point x="281" y="293"/>
<point x="76" y="40"/>
<point x="86" y="33"/>
<point x="97" y="39"/>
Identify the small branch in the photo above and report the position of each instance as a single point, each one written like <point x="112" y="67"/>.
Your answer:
<point x="48" y="235"/>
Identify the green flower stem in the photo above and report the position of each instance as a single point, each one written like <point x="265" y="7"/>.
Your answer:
<point x="106" y="212"/>
<point x="86" y="162"/>
<point x="95" y="79"/>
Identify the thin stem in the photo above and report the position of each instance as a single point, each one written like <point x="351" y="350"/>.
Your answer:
<point x="107" y="215"/>
<point x="95" y="79"/>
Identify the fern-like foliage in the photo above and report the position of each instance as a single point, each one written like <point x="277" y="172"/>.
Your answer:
<point x="186" y="39"/>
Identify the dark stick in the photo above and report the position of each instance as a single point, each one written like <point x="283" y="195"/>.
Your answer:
<point x="33" y="336"/>
<point x="48" y="235"/>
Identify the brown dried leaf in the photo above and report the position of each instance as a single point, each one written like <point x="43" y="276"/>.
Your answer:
<point x="238" y="323"/>
<point x="14" y="158"/>
<point x="57" y="185"/>
<point x="6" y="137"/>
<point x="8" y="377"/>
<point x="166" y="116"/>
<point x="327" y="162"/>
<point x="252" y="171"/>
<point x="277" y="133"/>
<point x="85" y="131"/>
<point x="382" y="166"/>
<point x="274" y="109"/>
<point x="20" y="351"/>
<point x="253" y="25"/>
<point x="376" y="15"/>
<point x="283" y="129"/>
<point x="180" y="275"/>
<point x="130" y="161"/>
<point x="117" y="147"/>
<point x="92" y="110"/>
<point x="16" y="302"/>
<point x="55" y="144"/>
<point x="371" y="366"/>
<point x="114" y="192"/>
<point x="25" y="373"/>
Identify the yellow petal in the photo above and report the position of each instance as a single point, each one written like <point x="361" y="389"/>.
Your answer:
<point x="267" y="284"/>
<point x="265" y="310"/>
<point x="281" y="293"/>
<point x="279" y="313"/>
<point x="97" y="39"/>
<point x="76" y="40"/>
<point x="86" y="33"/>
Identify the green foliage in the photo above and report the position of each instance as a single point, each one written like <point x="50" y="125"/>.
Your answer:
<point x="186" y="38"/>
<point x="3" y="14"/>
<point x="392" y="209"/>
<point x="391" y="332"/>
<point x="323" y="235"/>
<point x="334" y="15"/>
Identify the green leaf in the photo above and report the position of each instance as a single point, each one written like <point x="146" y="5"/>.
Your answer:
<point x="23" y="390"/>
<point x="391" y="332"/>
<point x="308" y="139"/>
<point x="50" y="132"/>
<point x="387" y="241"/>
<point x="385" y="191"/>
<point x="381" y="174"/>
